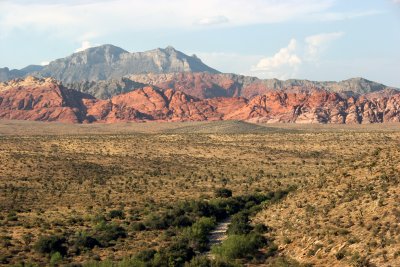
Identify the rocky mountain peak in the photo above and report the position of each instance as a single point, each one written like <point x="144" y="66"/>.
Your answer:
<point x="170" y="49"/>
<point x="111" y="62"/>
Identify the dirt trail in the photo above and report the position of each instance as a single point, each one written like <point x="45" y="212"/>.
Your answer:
<point x="218" y="235"/>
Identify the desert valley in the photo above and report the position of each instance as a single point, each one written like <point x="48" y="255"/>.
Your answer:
<point x="199" y="134"/>
<point x="139" y="170"/>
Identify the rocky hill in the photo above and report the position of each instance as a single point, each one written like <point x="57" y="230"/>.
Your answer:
<point x="48" y="100"/>
<point x="209" y="85"/>
<point x="6" y="74"/>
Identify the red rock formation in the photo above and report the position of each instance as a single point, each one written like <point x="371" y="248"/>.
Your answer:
<point x="41" y="100"/>
<point x="48" y="100"/>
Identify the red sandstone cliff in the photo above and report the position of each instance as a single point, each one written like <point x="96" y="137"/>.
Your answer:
<point x="48" y="100"/>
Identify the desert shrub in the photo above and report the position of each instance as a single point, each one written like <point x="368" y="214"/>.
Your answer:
<point x="106" y="263"/>
<point x="196" y="235"/>
<point x="4" y="259"/>
<point x="360" y="261"/>
<point x="222" y="208"/>
<point x="181" y="221"/>
<point x="199" y="262"/>
<point x="84" y="241"/>
<point x="51" y="245"/>
<point x="260" y="228"/>
<point x="340" y="255"/>
<point x="250" y="204"/>
<point x="55" y="258"/>
<point x="12" y="216"/>
<point x="223" y="192"/>
<point x="176" y="254"/>
<point x="200" y="208"/>
<point x="5" y="241"/>
<point x="99" y="218"/>
<point x="138" y="226"/>
<point x="203" y="261"/>
<point x="146" y="255"/>
<point x="107" y="232"/>
<point x="239" y="224"/>
<point x="239" y="246"/>
<point x="116" y="214"/>
<point x="285" y="262"/>
<point x="155" y="222"/>
<point x="142" y="259"/>
<point x="271" y="251"/>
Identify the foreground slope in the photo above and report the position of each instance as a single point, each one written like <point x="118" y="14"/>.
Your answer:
<point x="48" y="100"/>
<point x="116" y="188"/>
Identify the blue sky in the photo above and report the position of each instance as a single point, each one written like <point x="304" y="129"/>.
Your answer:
<point x="307" y="39"/>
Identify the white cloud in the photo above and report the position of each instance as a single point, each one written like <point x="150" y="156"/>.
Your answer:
<point x="44" y="63"/>
<point x="316" y="44"/>
<point x="339" y="16"/>
<point x="213" y="20"/>
<point x="284" y="64"/>
<point x="74" y="19"/>
<point x="85" y="45"/>
<point x="229" y="62"/>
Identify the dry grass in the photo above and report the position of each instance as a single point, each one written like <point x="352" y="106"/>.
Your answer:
<point x="63" y="177"/>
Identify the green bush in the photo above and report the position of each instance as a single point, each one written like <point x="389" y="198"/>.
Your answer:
<point x="203" y="261"/>
<point x="155" y="222"/>
<point x="239" y="224"/>
<point x="199" y="262"/>
<point x="285" y="262"/>
<point x="182" y="221"/>
<point x="146" y="255"/>
<point x="138" y="226"/>
<point x="196" y="235"/>
<point x="260" y="228"/>
<point x="116" y="214"/>
<point x="107" y="232"/>
<point x="223" y="192"/>
<point x="271" y="251"/>
<point x="55" y="258"/>
<point x="239" y="246"/>
<point x="176" y="254"/>
<point x="51" y="244"/>
<point x="84" y="241"/>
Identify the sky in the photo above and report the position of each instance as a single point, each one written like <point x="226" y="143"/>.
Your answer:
<point x="284" y="39"/>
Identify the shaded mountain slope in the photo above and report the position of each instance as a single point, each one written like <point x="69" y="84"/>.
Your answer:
<point x="209" y="85"/>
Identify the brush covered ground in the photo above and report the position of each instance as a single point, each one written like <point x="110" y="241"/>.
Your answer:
<point x="89" y="181"/>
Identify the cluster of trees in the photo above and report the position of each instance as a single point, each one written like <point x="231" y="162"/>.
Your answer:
<point x="191" y="220"/>
<point x="197" y="219"/>
<point x="244" y="240"/>
<point x="104" y="234"/>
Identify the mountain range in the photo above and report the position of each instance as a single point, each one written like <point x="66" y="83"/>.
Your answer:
<point x="209" y="85"/>
<point x="109" y="84"/>
<point x="48" y="100"/>
<point x="110" y="62"/>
